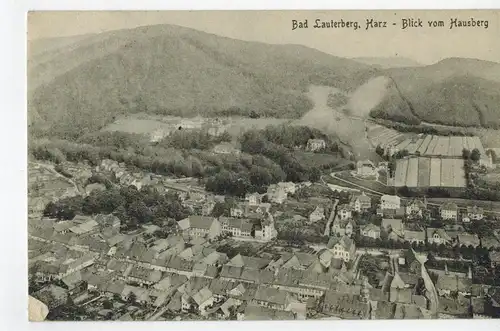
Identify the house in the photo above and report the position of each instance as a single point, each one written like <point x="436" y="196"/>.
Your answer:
<point x="225" y="148"/>
<point x="317" y="214"/>
<point x="289" y="187"/>
<point x="438" y="236"/>
<point x="266" y="231"/>
<point x="276" y="194"/>
<point x="270" y="297"/>
<point x="466" y="239"/>
<point x="371" y="230"/>
<point x="366" y="168"/>
<point x="494" y="258"/>
<point x="416" y="207"/>
<point x="345" y="212"/>
<point x="52" y="296"/>
<point x="140" y="294"/>
<point x="203" y="299"/>
<point x="343" y="227"/>
<point x="342" y="248"/>
<point x="314" y="145"/>
<point x="392" y="213"/>
<point x="360" y="202"/>
<point x="238" y="227"/>
<point x="253" y="199"/>
<point x="344" y="306"/>
<point x="417" y="237"/>
<point x="448" y="211"/>
<point x="248" y="262"/>
<point x="475" y="213"/>
<point x="200" y="226"/>
<point x="390" y="202"/>
<point x="393" y="225"/>
<point x="447" y="284"/>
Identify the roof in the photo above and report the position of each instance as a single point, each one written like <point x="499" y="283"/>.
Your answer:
<point x="475" y="210"/>
<point x="449" y="206"/>
<point x="495" y="256"/>
<point x="201" y="222"/>
<point x="371" y="227"/>
<point x="238" y="223"/>
<point x="414" y="235"/>
<point x="391" y="199"/>
<point x="344" y="305"/>
<point x="346" y="242"/>
<point x="249" y="262"/>
<point x="52" y="295"/>
<point x="395" y="224"/>
<point x="453" y="283"/>
<point x="202" y="296"/>
<point x="271" y="295"/>
<point x="441" y="232"/>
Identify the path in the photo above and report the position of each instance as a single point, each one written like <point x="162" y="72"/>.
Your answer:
<point x="331" y="218"/>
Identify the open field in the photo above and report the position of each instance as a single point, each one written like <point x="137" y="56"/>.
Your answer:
<point x="380" y="135"/>
<point x="147" y="124"/>
<point x="430" y="172"/>
<point x="440" y="146"/>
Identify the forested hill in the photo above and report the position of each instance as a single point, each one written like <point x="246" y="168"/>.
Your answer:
<point x="455" y="91"/>
<point x="76" y="86"/>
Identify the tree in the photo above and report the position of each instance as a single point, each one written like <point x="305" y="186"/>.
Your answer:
<point x="475" y="155"/>
<point x="379" y="150"/>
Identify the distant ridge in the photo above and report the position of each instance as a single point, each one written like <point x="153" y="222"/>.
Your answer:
<point x="388" y="62"/>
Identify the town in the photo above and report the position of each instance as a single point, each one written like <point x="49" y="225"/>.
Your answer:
<point x="298" y="251"/>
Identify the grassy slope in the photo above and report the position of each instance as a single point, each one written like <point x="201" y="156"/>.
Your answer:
<point x="168" y="69"/>
<point x="463" y="92"/>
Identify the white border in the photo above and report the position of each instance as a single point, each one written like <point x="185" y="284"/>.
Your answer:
<point x="13" y="285"/>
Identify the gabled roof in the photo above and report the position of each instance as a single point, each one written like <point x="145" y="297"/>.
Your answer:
<point x="344" y="241"/>
<point x="202" y="296"/>
<point x="249" y="262"/>
<point x="395" y="224"/>
<point x="271" y="295"/>
<point x="371" y="227"/>
<point x="441" y="232"/>
<point x="449" y="206"/>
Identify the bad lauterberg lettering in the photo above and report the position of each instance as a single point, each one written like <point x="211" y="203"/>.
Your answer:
<point x="319" y="24"/>
<point x="473" y="23"/>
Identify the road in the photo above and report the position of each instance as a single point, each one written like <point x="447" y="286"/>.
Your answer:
<point x="457" y="201"/>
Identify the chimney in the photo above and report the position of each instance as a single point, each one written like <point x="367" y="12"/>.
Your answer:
<point x="446" y="269"/>
<point x="469" y="274"/>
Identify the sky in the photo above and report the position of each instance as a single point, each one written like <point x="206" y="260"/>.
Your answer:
<point x="424" y="45"/>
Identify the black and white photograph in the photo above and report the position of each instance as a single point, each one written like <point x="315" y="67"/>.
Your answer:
<point x="263" y="165"/>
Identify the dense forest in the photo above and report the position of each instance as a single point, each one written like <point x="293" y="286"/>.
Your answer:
<point x="271" y="155"/>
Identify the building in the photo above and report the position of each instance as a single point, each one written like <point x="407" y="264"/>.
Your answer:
<point x="203" y="299"/>
<point x="416" y="207"/>
<point x="345" y="212"/>
<point x="366" y="168"/>
<point x="475" y="213"/>
<point x="200" y="226"/>
<point x="343" y="227"/>
<point x="448" y="211"/>
<point x="438" y="236"/>
<point x="371" y="230"/>
<point x="393" y="225"/>
<point x="495" y="259"/>
<point x="317" y="214"/>
<point x="314" y="145"/>
<point x="253" y="199"/>
<point x="361" y="202"/>
<point x="342" y="248"/>
<point x="266" y="231"/>
<point x="417" y="237"/>
<point x="237" y="227"/>
<point x="390" y="202"/>
<point x="276" y="194"/>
